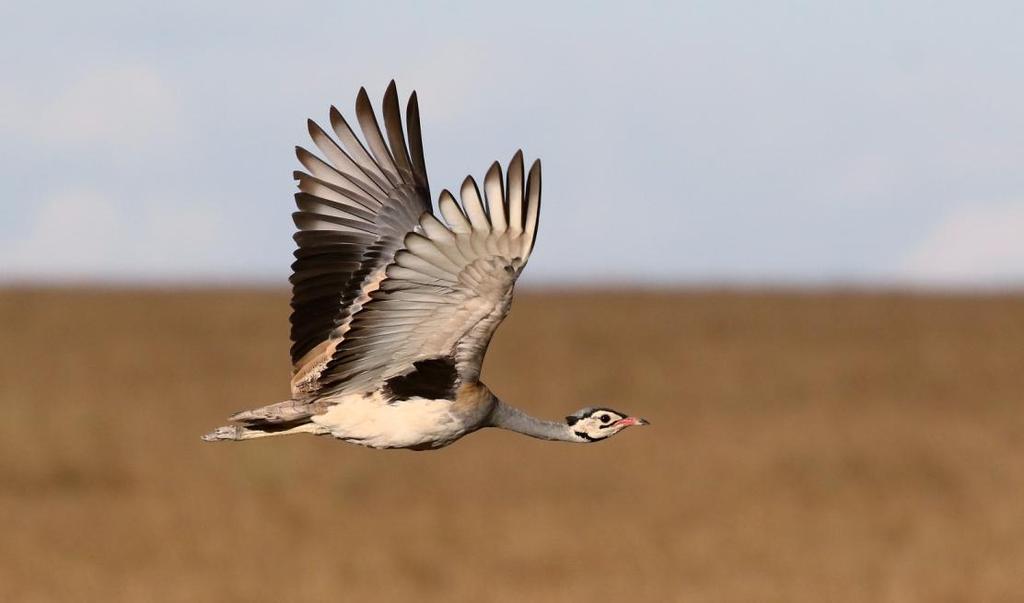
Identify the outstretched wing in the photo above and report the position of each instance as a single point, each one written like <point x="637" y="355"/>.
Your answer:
<point x="356" y="207"/>
<point x="447" y="290"/>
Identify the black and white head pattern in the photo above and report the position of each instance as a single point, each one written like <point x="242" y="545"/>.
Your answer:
<point x="596" y="424"/>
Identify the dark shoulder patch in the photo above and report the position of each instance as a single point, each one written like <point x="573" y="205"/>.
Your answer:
<point x="433" y="378"/>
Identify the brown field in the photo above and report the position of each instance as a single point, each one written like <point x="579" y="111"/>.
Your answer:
<point x="804" y="447"/>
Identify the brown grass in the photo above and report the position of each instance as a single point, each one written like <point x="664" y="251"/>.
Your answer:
<point x="804" y="447"/>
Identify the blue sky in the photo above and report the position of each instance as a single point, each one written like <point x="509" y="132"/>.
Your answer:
<point x="725" y="142"/>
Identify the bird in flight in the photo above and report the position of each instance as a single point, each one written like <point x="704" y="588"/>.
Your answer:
<point x="393" y="306"/>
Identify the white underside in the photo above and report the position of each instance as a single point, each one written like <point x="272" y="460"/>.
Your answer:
<point x="376" y="423"/>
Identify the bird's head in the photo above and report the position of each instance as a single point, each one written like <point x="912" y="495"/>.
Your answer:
<point x="595" y="424"/>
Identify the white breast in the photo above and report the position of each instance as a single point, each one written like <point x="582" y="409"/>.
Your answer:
<point x="374" y="422"/>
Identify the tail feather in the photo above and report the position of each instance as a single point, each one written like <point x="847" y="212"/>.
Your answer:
<point x="290" y="416"/>
<point x="239" y="432"/>
<point x="288" y="411"/>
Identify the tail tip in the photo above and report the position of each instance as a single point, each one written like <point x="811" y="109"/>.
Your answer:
<point x="228" y="432"/>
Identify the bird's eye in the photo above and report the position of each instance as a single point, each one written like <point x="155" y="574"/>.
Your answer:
<point x="605" y="418"/>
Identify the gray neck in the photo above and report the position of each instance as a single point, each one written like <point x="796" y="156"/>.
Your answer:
<point x="511" y="418"/>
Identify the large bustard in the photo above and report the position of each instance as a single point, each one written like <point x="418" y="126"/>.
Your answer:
<point x="393" y="308"/>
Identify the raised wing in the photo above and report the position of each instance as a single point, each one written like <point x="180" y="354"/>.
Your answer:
<point x="356" y="207"/>
<point x="448" y="288"/>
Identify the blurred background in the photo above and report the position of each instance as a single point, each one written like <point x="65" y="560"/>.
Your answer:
<point x="790" y="234"/>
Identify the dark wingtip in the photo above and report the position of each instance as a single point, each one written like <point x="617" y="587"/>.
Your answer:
<point x="391" y="93"/>
<point x="412" y="110"/>
<point x="336" y="118"/>
<point x="363" y="100"/>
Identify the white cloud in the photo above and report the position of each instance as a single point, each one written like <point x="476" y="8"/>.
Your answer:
<point x="973" y="245"/>
<point x="69" y="233"/>
<point x="127" y="106"/>
<point x="79" y="235"/>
